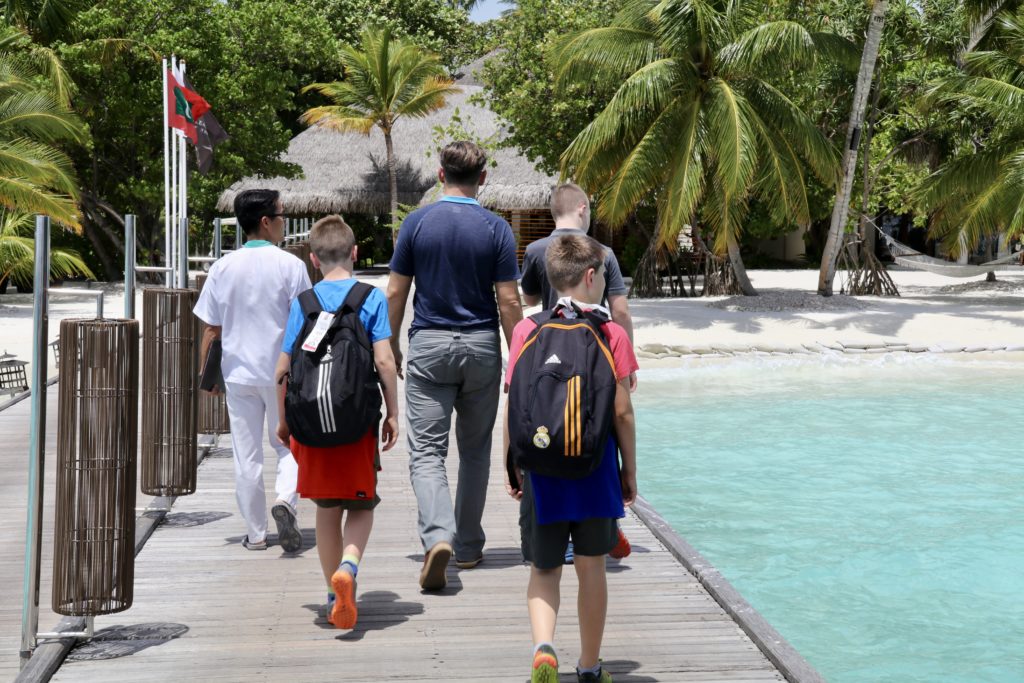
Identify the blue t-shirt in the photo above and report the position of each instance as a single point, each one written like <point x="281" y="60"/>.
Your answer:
<point x="331" y="294"/>
<point x="456" y="250"/>
<point x="599" y="494"/>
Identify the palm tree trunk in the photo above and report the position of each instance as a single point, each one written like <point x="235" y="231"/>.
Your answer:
<point x="867" y="234"/>
<point x="841" y="210"/>
<point x="737" y="267"/>
<point x="392" y="184"/>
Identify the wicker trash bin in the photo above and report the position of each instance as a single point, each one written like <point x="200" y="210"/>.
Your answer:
<point x="169" y="392"/>
<point x="97" y="435"/>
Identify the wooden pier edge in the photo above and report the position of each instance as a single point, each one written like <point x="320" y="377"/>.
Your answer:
<point x="49" y="655"/>
<point x="777" y="649"/>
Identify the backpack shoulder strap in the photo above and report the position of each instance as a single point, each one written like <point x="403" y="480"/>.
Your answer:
<point x="356" y="297"/>
<point x="543" y="317"/>
<point x="310" y="303"/>
<point x="597" y="322"/>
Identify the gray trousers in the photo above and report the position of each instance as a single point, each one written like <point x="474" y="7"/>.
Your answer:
<point x="446" y="370"/>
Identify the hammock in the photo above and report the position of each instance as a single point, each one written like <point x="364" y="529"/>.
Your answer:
<point x="911" y="258"/>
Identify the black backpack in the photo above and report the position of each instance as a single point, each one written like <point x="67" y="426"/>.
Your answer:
<point x="333" y="394"/>
<point x="561" y="401"/>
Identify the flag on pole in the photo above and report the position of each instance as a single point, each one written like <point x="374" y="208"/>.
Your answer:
<point x="184" y="106"/>
<point x="209" y="134"/>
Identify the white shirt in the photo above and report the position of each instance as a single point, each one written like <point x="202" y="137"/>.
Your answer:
<point x="248" y="293"/>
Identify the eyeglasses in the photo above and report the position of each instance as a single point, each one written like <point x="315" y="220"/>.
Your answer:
<point x="276" y="215"/>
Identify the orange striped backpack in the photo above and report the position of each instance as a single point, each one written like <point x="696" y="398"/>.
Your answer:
<point x="561" y="399"/>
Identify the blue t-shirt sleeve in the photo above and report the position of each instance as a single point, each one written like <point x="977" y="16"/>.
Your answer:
<point x="506" y="268"/>
<point x="293" y="328"/>
<point x="402" y="260"/>
<point x="375" y="316"/>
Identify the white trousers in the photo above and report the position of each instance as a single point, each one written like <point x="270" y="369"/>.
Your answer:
<point x="250" y="408"/>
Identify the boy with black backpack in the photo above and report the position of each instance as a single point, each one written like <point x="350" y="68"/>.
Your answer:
<point x="335" y="358"/>
<point x="569" y="418"/>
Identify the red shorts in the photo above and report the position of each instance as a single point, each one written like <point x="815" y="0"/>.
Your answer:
<point x="346" y="472"/>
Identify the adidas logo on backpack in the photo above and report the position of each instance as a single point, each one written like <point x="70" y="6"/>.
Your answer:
<point x="561" y="400"/>
<point x="333" y="394"/>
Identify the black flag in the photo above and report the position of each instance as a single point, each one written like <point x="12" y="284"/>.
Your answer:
<point x="209" y="134"/>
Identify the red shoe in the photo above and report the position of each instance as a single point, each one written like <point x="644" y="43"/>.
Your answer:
<point x="622" y="548"/>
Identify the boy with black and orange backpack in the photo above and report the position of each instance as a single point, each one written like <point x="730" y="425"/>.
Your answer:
<point x="335" y="359"/>
<point x="569" y="419"/>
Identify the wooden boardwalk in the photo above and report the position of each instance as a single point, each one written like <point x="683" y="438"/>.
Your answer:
<point x="207" y="610"/>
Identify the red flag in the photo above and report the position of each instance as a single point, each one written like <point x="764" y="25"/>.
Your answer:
<point x="184" y="107"/>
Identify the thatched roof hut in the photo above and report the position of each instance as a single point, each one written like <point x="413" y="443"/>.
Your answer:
<point x="347" y="172"/>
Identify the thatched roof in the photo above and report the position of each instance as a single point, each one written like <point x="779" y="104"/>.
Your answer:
<point x="347" y="172"/>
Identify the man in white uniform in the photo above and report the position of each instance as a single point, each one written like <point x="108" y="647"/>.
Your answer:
<point x="245" y="302"/>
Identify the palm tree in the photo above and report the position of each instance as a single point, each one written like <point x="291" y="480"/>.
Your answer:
<point x="35" y="175"/>
<point x="841" y="207"/>
<point x="17" y="253"/>
<point x="697" y="121"/>
<point x="384" y="80"/>
<point x="978" y="192"/>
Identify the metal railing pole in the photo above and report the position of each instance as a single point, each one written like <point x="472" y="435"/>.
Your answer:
<point x="238" y="235"/>
<point x="216" y="237"/>
<point x="37" y="444"/>
<point x="183" y="255"/>
<point x="129" y="266"/>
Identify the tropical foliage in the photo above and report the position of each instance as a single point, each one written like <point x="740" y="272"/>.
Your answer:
<point x="17" y="253"/>
<point x="386" y="79"/>
<point x="978" y="192"/>
<point x="697" y="122"/>
<point x="35" y="174"/>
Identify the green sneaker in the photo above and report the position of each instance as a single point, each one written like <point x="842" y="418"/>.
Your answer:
<point x="602" y="677"/>
<point x="545" y="665"/>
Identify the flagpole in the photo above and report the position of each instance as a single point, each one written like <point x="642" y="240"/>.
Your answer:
<point x="183" y="237"/>
<point x="175" y="189"/>
<point x="167" y="182"/>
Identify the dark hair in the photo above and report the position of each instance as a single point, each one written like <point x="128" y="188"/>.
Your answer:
<point x="463" y="162"/>
<point x="331" y="239"/>
<point x="568" y="258"/>
<point x="252" y="205"/>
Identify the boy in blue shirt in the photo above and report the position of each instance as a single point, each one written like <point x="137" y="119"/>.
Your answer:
<point x="344" y="477"/>
<point x="554" y="510"/>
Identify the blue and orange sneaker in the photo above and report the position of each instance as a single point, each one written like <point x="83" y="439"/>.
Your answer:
<point x="545" y="665"/>
<point x="343" y="613"/>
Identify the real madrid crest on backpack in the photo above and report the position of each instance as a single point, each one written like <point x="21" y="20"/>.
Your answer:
<point x="562" y="396"/>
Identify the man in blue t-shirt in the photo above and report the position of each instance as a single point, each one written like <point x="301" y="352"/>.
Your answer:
<point x="462" y="258"/>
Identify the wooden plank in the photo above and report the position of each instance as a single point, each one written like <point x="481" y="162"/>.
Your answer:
<point x="208" y="610"/>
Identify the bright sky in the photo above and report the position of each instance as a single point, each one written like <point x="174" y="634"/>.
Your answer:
<point x="487" y="9"/>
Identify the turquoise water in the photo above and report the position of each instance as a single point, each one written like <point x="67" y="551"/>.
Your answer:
<point x="872" y="511"/>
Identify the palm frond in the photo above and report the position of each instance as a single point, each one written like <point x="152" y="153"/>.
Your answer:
<point x="19" y="194"/>
<point x="38" y="115"/>
<point x="643" y="170"/>
<point x="684" y="186"/>
<point x="730" y="137"/>
<point x="344" y="119"/>
<point x="430" y="98"/>
<point x="786" y="119"/>
<point x="769" y="47"/>
<point x="613" y="49"/>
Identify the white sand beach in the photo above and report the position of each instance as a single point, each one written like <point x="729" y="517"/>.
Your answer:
<point x="934" y="313"/>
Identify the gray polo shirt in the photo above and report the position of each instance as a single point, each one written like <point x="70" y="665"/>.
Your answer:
<point x="535" y="278"/>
